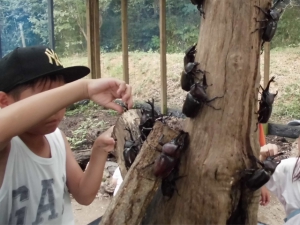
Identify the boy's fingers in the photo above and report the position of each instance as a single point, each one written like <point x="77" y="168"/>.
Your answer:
<point x="122" y="89"/>
<point x="114" y="106"/>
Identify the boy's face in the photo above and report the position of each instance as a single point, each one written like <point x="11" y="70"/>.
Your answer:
<point x="49" y="125"/>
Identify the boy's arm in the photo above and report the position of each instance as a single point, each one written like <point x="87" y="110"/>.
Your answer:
<point x="85" y="185"/>
<point x="18" y="117"/>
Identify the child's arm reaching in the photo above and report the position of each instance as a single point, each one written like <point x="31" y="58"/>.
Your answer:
<point x="85" y="185"/>
<point x="18" y="117"/>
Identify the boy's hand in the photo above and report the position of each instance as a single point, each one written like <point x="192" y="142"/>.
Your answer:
<point x="105" y="142"/>
<point x="267" y="150"/>
<point x="105" y="90"/>
<point x="265" y="196"/>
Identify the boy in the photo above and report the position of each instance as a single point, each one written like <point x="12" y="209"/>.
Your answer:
<point x="37" y="167"/>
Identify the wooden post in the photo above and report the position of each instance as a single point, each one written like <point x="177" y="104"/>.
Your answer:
<point x="266" y="63"/>
<point x="0" y="39"/>
<point x="22" y="34"/>
<point x="124" y="4"/>
<point x="266" y="74"/>
<point x="163" y="58"/>
<point x="93" y="42"/>
<point x="51" y="25"/>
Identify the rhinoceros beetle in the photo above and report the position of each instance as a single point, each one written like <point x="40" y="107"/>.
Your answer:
<point x="271" y="21"/>
<point x="199" y="4"/>
<point x="188" y="75"/>
<point x="266" y="103"/>
<point x="168" y="184"/>
<point x="259" y="177"/>
<point x="148" y="119"/>
<point x="131" y="150"/>
<point x="189" y="56"/>
<point x="170" y="155"/>
<point x="196" y="98"/>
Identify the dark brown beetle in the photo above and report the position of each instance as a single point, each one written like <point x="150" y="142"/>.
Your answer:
<point x="189" y="55"/>
<point x="199" y="4"/>
<point x="196" y="98"/>
<point x="168" y="184"/>
<point x="259" y="177"/>
<point x="147" y="120"/>
<point x="266" y="103"/>
<point x="170" y="155"/>
<point x="188" y="75"/>
<point x="131" y="150"/>
<point x="271" y="21"/>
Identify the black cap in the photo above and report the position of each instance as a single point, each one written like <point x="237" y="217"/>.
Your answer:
<point x="26" y="64"/>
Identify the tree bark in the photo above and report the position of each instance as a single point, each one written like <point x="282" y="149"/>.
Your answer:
<point x="222" y="141"/>
<point x="139" y="186"/>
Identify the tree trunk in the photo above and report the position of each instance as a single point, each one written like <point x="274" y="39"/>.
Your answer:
<point x="222" y="141"/>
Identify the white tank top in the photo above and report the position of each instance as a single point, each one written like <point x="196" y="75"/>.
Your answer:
<point x="34" y="189"/>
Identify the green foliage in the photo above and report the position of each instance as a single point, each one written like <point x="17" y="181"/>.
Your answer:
<point x="183" y="21"/>
<point x="76" y="108"/>
<point x="80" y="134"/>
<point x="288" y="105"/>
<point x="288" y="31"/>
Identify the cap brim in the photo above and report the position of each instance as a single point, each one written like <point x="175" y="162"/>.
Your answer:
<point x="71" y="74"/>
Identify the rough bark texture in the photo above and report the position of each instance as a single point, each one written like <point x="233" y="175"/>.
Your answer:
<point x="222" y="141"/>
<point x="82" y="157"/>
<point x="139" y="186"/>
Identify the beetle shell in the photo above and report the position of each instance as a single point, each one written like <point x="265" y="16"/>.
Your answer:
<point x="186" y="81"/>
<point x="258" y="179"/>
<point x="191" y="106"/>
<point x="129" y="155"/>
<point x="169" y="149"/>
<point x="163" y="165"/>
<point x="270" y="31"/>
<point x="168" y="184"/>
<point x="266" y="103"/>
<point x="198" y="92"/>
<point x="189" y="55"/>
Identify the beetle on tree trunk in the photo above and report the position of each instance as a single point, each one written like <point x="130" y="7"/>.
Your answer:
<point x="131" y="149"/>
<point x="199" y="4"/>
<point x="196" y="98"/>
<point x="271" y="21"/>
<point x="266" y="103"/>
<point x="259" y="177"/>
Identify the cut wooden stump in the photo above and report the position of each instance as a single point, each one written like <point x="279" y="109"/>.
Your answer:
<point x="129" y="206"/>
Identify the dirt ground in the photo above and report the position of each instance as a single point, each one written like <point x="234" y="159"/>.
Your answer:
<point x="272" y="214"/>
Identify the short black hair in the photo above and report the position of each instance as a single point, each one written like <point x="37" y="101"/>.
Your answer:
<point x="16" y="91"/>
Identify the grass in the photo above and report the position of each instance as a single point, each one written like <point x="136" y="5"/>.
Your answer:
<point x="144" y="71"/>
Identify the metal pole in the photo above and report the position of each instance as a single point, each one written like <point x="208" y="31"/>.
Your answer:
<point x="51" y="24"/>
<point x="124" y="4"/>
<point x="163" y="58"/>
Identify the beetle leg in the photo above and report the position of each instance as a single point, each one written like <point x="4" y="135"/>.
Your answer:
<point x="214" y="99"/>
<point x="256" y="127"/>
<point x="212" y="107"/>
<point x="266" y="20"/>
<point x="261" y="10"/>
<point x="257" y="29"/>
